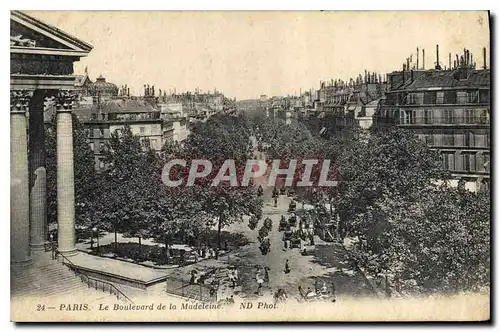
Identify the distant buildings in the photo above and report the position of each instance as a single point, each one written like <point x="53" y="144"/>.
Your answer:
<point x="104" y="108"/>
<point x="449" y="110"/>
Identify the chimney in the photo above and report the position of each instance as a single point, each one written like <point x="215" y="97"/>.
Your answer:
<point x="454" y="64"/>
<point x="418" y="55"/>
<point x="471" y="61"/>
<point x="407" y="63"/>
<point x="438" y="67"/>
<point x="458" y="61"/>
<point x="411" y="75"/>
<point x="484" y="58"/>
<point x="423" y="59"/>
<point x="449" y="60"/>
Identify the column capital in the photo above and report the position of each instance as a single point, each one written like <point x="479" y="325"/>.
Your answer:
<point x="64" y="100"/>
<point x="20" y="100"/>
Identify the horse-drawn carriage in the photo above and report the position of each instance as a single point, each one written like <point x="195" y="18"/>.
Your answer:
<point x="283" y="225"/>
<point x="293" y="238"/>
<point x="295" y="242"/>
<point x="320" y="292"/>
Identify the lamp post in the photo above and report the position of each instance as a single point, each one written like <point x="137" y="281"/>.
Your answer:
<point x="92" y="239"/>
<point x="52" y="248"/>
<point x="95" y="230"/>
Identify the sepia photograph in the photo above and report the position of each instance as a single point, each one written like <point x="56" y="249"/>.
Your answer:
<point x="250" y="166"/>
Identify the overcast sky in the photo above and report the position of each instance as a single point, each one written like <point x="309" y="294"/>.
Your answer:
<point x="246" y="54"/>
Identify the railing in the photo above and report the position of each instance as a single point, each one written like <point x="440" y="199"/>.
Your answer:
<point x="200" y="292"/>
<point x="93" y="282"/>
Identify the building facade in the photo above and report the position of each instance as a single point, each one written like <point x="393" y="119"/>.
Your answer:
<point x="450" y="111"/>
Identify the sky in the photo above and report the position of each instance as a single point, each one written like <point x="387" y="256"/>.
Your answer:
<point x="248" y="54"/>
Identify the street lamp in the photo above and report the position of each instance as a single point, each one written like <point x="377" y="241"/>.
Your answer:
<point x="92" y="238"/>
<point x="52" y="248"/>
<point x="95" y="230"/>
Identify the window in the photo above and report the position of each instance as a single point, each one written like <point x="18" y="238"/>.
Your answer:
<point x="448" y="116"/>
<point x="142" y="130"/>
<point x="484" y="117"/>
<point x="93" y="116"/>
<point x="414" y="98"/>
<point x="102" y="146"/>
<point x="429" y="139"/>
<point x="484" y="96"/>
<point x="479" y="162"/>
<point x="450" y="97"/>
<point x="154" y="143"/>
<point x="101" y="133"/>
<point x="440" y="97"/>
<point x="470" y="116"/>
<point x="459" y="139"/>
<point x="486" y="159"/>
<point x="449" y="140"/>
<point x="101" y="165"/>
<point x="469" y="162"/>
<point x="428" y="116"/>
<point x="448" y="159"/>
<point x="407" y="117"/>
<point x="91" y="144"/>
<point x="480" y="140"/>
<point x="430" y="97"/>
<point x="461" y="97"/>
<point x="472" y="97"/>
<point x="470" y="140"/>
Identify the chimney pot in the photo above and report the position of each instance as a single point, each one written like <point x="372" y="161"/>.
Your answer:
<point x="484" y="57"/>
<point x="418" y="55"/>
<point x="423" y="59"/>
<point x="438" y="67"/>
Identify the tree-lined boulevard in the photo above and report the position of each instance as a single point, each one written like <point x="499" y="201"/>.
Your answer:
<point x="392" y="226"/>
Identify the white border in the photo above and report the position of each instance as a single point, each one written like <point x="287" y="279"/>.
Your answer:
<point x="493" y="5"/>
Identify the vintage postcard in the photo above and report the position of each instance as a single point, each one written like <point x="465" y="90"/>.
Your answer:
<point x="250" y="166"/>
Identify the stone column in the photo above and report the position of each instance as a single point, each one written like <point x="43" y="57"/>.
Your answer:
<point x="19" y="191"/>
<point x="65" y="175"/>
<point x="38" y="193"/>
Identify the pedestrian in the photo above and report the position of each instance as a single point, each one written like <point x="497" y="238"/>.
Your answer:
<point x="226" y="246"/>
<point x="287" y="267"/>
<point x="266" y="275"/>
<point x="275" y="201"/>
<point x="195" y="256"/>
<point x="236" y="275"/>
<point x="260" y="281"/>
<point x="232" y="279"/>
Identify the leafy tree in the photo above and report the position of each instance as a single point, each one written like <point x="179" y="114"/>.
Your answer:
<point x="219" y="139"/>
<point x="132" y="179"/>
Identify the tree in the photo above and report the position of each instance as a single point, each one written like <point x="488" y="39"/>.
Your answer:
<point x="131" y="182"/>
<point x="412" y="226"/>
<point x="219" y="139"/>
<point x="380" y="167"/>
